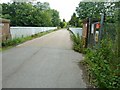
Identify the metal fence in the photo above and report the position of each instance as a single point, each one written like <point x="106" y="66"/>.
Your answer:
<point x="110" y="31"/>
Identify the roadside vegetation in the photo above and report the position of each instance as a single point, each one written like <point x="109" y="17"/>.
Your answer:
<point x="77" y="42"/>
<point x="102" y="62"/>
<point x="13" y="42"/>
<point x="103" y="66"/>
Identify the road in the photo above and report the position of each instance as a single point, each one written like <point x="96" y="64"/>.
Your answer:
<point x="45" y="62"/>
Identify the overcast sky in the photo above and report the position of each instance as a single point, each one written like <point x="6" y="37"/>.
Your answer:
<point x="65" y="7"/>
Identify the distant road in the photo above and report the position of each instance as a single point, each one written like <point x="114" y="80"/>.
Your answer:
<point x="45" y="62"/>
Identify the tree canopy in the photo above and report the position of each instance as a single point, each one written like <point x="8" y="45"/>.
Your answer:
<point x="75" y="21"/>
<point x="63" y="24"/>
<point x="29" y="14"/>
<point x="93" y="10"/>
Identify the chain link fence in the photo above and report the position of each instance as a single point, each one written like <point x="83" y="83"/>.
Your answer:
<point x="109" y="31"/>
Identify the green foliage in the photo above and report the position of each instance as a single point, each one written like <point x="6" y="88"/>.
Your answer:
<point x="104" y="61"/>
<point x="117" y="15"/>
<point x="42" y="6"/>
<point x="75" y="21"/>
<point x="94" y="9"/>
<point x="79" y="23"/>
<point x="104" y="65"/>
<point x="16" y="41"/>
<point x="63" y="24"/>
<point x="28" y="14"/>
<point x="12" y="42"/>
<point x="55" y="18"/>
<point x="77" y="42"/>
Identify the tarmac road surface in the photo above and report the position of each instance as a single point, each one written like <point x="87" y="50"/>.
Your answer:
<point x="45" y="62"/>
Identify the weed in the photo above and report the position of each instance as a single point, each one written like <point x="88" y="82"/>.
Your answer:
<point x="104" y="66"/>
<point x="77" y="42"/>
<point x="16" y="41"/>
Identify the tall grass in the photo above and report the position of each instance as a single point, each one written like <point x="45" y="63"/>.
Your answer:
<point x="77" y="42"/>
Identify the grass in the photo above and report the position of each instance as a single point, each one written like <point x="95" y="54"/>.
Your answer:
<point x="13" y="42"/>
<point x="102" y="66"/>
<point x="77" y="42"/>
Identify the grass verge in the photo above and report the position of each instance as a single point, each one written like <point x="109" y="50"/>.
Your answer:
<point x="13" y="42"/>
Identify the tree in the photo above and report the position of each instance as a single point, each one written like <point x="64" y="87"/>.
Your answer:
<point x="64" y="20"/>
<point x="65" y="23"/>
<point x="55" y="18"/>
<point x="61" y="24"/>
<point x="79" y="23"/>
<point x="42" y="6"/>
<point x="73" y="20"/>
<point x="94" y="9"/>
<point x="28" y="14"/>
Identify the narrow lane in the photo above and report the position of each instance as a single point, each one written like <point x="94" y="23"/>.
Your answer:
<point x="45" y="62"/>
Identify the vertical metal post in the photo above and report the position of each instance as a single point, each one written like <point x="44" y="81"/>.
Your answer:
<point x="89" y="27"/>
<point x="101" y="28"/>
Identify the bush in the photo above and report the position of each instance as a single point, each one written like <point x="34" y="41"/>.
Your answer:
<point x="104" y="65"/>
